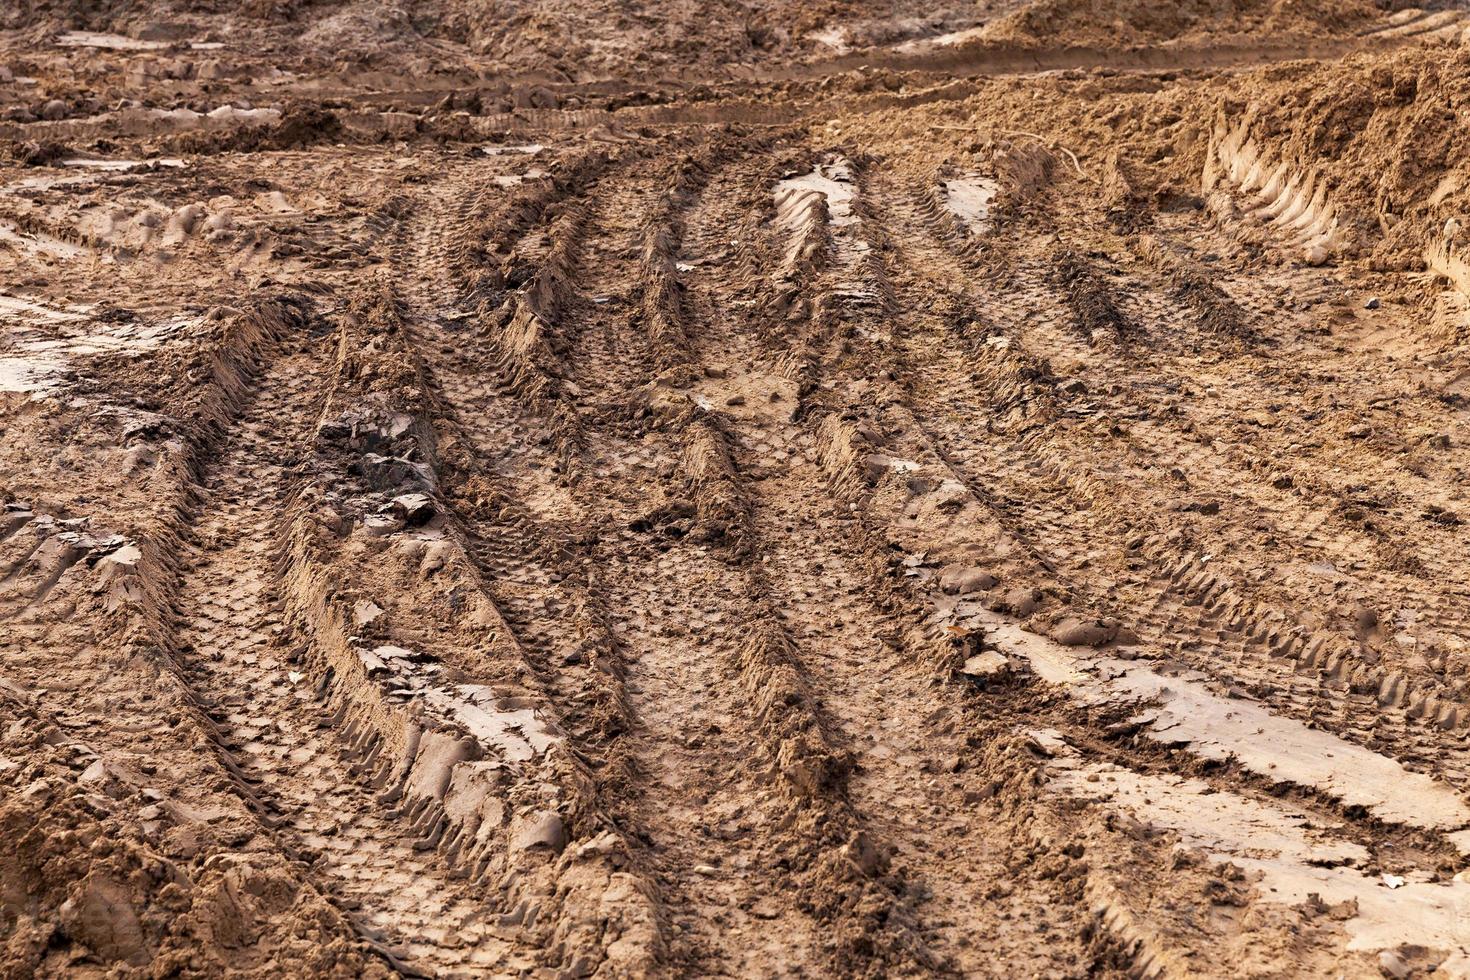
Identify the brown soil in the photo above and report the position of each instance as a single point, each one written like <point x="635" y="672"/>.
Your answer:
<point x="570" y="490"/>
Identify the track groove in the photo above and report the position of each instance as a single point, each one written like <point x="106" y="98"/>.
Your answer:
<point x="237" y="655"/>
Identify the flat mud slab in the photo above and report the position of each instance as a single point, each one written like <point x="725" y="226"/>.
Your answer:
<point x="594" y="490"/>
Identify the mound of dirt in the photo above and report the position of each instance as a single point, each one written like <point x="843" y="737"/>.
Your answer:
<point x="1107" y="23"/>
<point x="1382" y="131"/>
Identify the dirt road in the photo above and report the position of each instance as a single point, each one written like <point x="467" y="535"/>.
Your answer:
<point x="756" y="491"/>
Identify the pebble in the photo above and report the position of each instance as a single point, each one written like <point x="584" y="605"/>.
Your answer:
<point x="365" y="611"/>
<point x="53" y="110"/>
<point x="1372" y="303"/>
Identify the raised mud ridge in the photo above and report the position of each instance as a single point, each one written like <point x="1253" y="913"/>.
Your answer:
<point x="477" y="771"/>
<point x="1295" y="201"/>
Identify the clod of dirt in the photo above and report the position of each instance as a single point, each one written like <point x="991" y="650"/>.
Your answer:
<point x="965" y="580"/>
<point x="1079" y="631"/>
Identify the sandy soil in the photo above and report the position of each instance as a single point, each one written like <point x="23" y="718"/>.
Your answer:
<point x="671" y="489"/>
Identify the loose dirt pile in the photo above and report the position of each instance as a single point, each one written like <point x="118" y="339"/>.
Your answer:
<point x="605" y="490"/>
<point x="1099" y="22"/>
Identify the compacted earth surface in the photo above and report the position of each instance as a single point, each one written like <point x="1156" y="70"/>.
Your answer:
<point x="603" y="489"/>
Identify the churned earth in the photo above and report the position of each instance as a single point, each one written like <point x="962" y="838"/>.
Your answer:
<point x="596" y="489"/>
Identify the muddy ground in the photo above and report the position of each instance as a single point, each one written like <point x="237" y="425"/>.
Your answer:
<point x="667" y="489"/>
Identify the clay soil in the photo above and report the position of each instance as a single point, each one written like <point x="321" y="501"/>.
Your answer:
<point x="731" y="489"/>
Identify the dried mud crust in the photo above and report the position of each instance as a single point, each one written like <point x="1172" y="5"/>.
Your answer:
<point x="843" y="500"/>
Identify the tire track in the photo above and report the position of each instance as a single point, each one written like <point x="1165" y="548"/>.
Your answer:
<point x="1078" y="490"/>
<point x="1144" y="934"/>
<point x="126" y="594"/>
<point x="505" y="476"/>
<point x="236" y="653"/>
<point x="728" y="837"/>
<point x="911" y="755"/>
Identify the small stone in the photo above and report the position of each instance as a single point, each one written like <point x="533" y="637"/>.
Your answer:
<point x="984" y="793"/>
<point x="378" y="525"/>
<point x="1358" y="432"/>
<point x="1315" y="255"/>
<point x="604" y="844"/>
<point x="437" y="554"/>
<point x="53" y="110"/>
<point x="1372" y="303"/>
<point x="95" y="773"/>
<point x="188" y="218"/>
<point x="735" y="400"/>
